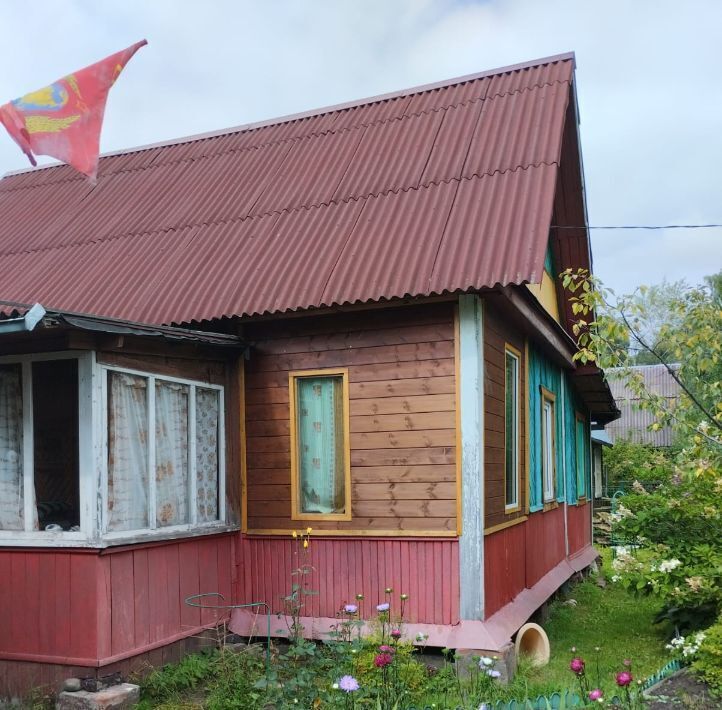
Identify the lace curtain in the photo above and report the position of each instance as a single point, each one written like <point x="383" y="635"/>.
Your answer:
<point x="11" y="448"/>
<point x="127" y="452"/>
<point x="207" y="433"/>
<point x="171" y="453"/>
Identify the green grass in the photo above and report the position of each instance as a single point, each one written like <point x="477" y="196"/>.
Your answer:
<point x="611" y="619"/>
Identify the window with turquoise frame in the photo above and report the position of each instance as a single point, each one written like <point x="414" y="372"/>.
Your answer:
<point x="511" y="429"/>
<point x="320" y="462"/>
<point x="548" y="440"/>
<point x="581" y="455"/>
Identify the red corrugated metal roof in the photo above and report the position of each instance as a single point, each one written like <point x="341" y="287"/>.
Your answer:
<point x="436" y="189"/>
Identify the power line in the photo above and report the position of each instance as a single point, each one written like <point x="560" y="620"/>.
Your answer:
<point x="642" y="226"/>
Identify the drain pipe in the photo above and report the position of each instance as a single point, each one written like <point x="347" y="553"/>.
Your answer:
<point x="563" y="379"/>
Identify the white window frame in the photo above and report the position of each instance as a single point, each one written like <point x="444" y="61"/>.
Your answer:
<point x="153" y="532"/>
<point x="86" y="468"/>
<point x="548" y="437"/>
<point x="93" y="459"/>
<point x="511" y="352"/>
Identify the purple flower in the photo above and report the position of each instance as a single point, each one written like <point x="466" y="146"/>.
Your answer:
<point x="383" y="607"/>
<point x="350" y="609"/>
<point x="577" y="665"/>
<point x="624" y="678"/>
<point x="348" y="684"/>
<point x="493" y="674"/>
<point x="595" y="694"/>
<point x="395" y="633"/>
<point x="383" y="659"/>
<point x="386" y="649"/>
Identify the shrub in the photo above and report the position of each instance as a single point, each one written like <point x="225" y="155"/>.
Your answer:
<point x="627" y="461"/>
<point x="709" y="659"/>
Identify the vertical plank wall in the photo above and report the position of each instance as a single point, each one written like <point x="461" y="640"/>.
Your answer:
<point x="402" y="416"/>
<point x="426" y="570"/>
<point x="579" y="526"/>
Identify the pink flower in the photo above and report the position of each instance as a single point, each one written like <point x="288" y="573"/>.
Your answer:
<point x="386" y="649"/>
<point x="627" y="663"/>
<point x="577" y="665"/>
<point x="396" y="633"/>
<point x="595" y="694"/>
<point x="350" y="609"/>
<point x="348" y="683"/>
<point x="382" y="660"/>
<point x="624" y="678"/>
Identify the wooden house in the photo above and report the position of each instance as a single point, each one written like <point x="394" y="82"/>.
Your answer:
<point x="348" y="319"/>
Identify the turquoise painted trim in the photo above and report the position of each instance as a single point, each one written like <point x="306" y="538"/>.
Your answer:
<point x="543" y="373"/>
<point x="549" y="262"/>
<point x="471" y="398"/>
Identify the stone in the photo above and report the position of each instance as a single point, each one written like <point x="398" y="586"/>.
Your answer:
<point x="72" y="685"/>
<point x="117" y="697"/>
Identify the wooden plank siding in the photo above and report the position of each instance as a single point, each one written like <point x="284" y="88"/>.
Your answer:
<point x="497" y="334"/>
<point x="401" y="374"/>
<point x="579" y="527"/>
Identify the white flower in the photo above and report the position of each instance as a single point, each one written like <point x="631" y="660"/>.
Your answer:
<point x="669" y="565"/>
<point x="335" y="686"/>
<point x="486" y="661"/>
<point x="616" y="578"/>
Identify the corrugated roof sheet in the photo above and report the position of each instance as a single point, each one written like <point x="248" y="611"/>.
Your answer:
<point x="433" y="190"/>
<point x="635" y="421"/>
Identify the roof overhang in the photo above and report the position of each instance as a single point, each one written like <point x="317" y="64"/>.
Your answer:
<point x="18" y="318"/>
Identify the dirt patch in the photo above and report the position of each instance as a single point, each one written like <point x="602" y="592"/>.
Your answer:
<point x="682" y="690"/>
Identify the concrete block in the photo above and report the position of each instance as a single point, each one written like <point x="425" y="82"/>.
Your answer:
<point x="117" y="697"/>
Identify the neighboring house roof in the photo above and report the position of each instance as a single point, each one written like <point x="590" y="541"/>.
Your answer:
<point x="634" y="422"/>
<point x="442" y="188"/>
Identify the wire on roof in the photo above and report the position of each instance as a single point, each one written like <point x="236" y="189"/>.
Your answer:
<point x="641" y="226"/>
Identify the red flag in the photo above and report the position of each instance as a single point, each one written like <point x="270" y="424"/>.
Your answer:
<point x="63" y="120"/>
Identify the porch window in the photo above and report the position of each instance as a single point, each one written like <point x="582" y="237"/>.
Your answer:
<point x="511" y="429"/>
<point x="320" y="462"/>
<point x="164" y="462"/>
<point x="581" y="451"/>
<point x="548" y="444"/>
<point x="91" y="454"/>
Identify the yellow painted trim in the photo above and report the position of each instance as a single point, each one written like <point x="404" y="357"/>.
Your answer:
<point x="546" y="293"/>
<point x="296" y="514"/>
<point x="504" y="525"/>
<point x="527" y="422"/>
<point x="457" y="415"/>
<point x="510" y="349"/>
<point x="361" y="533"/>
<point x="549" y="396"/>
<point x="242" y="452"/>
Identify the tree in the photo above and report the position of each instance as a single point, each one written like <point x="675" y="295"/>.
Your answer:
<point x="679" y="525"/>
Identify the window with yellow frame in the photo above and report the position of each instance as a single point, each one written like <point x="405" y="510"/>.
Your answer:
<point x="512" y="408"/>
<point x="548" y="431"/>
<point x="320" y="457"/>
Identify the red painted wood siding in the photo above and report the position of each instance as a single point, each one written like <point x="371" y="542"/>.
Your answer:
<point x="519" y="556"/>
<point x="545" y="546"/>
<point x="89" y="608"/>
<point x="426" y="570"/>
<point x="504" y="567"/>
<point x="48" y="605"/>
<point x="579" y="526"/>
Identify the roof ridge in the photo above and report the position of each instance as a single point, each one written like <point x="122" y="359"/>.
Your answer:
<point x="288" y="210"/>
<point x="324" y="110"/>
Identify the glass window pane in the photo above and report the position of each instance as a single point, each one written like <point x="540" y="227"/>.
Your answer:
<point x="207" y="436"/>
<point x="172" y="491"/>
<point x="127" y="452"/>
<point x="548" y="442"/>
<point x="55" y="444"/>
<point x="320" y="435"/>
<point x="511" y="428"/>
<point x="11" y="448"/>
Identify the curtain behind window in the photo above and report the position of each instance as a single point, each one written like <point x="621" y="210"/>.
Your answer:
<point x="11" y="448"/>
<point x="127" y="452"/>
<point x="171" y="453"/>
<point x="207" y="434"/>
<point x="320" y="444"/>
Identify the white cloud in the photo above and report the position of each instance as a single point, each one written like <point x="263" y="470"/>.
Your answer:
<point x="648" y="75"/>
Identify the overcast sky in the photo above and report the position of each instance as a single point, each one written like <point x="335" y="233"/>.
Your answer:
<point x="649" y="79"/>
